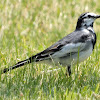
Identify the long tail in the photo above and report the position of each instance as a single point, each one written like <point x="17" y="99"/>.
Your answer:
<point x="19" y="64"/>
<point x="36" y="58"/>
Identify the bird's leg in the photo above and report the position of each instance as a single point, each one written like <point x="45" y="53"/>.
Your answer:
<point x="69" y="70"/>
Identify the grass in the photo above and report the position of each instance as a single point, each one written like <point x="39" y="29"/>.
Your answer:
<point x="28" y="27"/>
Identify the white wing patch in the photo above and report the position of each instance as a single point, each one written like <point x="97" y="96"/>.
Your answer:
<point x="68" y="48"/>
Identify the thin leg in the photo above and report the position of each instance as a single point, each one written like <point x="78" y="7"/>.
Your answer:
<point x="69" y="70"/>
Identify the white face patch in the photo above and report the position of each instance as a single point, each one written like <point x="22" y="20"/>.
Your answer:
<point x="88" y="21"/>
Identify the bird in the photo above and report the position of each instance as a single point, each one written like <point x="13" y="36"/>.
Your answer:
<point x="70" y="50"/>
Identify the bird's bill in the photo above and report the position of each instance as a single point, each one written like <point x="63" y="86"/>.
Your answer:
<point x="97" y="16"/>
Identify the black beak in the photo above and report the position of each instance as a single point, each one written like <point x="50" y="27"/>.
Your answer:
<point x="98" y="16"/>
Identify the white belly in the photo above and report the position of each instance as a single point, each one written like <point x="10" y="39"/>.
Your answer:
<point x="83" y="55"/>
<point x="75" y="58"/>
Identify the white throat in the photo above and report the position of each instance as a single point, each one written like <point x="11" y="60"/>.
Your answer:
<point x="91" y="29"/>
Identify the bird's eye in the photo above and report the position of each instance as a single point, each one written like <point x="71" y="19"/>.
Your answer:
<point x="89" y="16"/>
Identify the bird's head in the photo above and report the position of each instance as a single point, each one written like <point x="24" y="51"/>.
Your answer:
<point x="86" y="20"/>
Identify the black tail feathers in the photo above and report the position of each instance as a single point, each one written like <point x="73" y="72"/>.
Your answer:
<point x="36" y="58"/>
<point x="19" y="64"/>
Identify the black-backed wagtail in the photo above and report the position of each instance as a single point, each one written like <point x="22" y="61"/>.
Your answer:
<point x="75" y="47"/>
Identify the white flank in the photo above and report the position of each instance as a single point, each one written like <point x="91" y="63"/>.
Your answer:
<point x="68" y="48"/>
